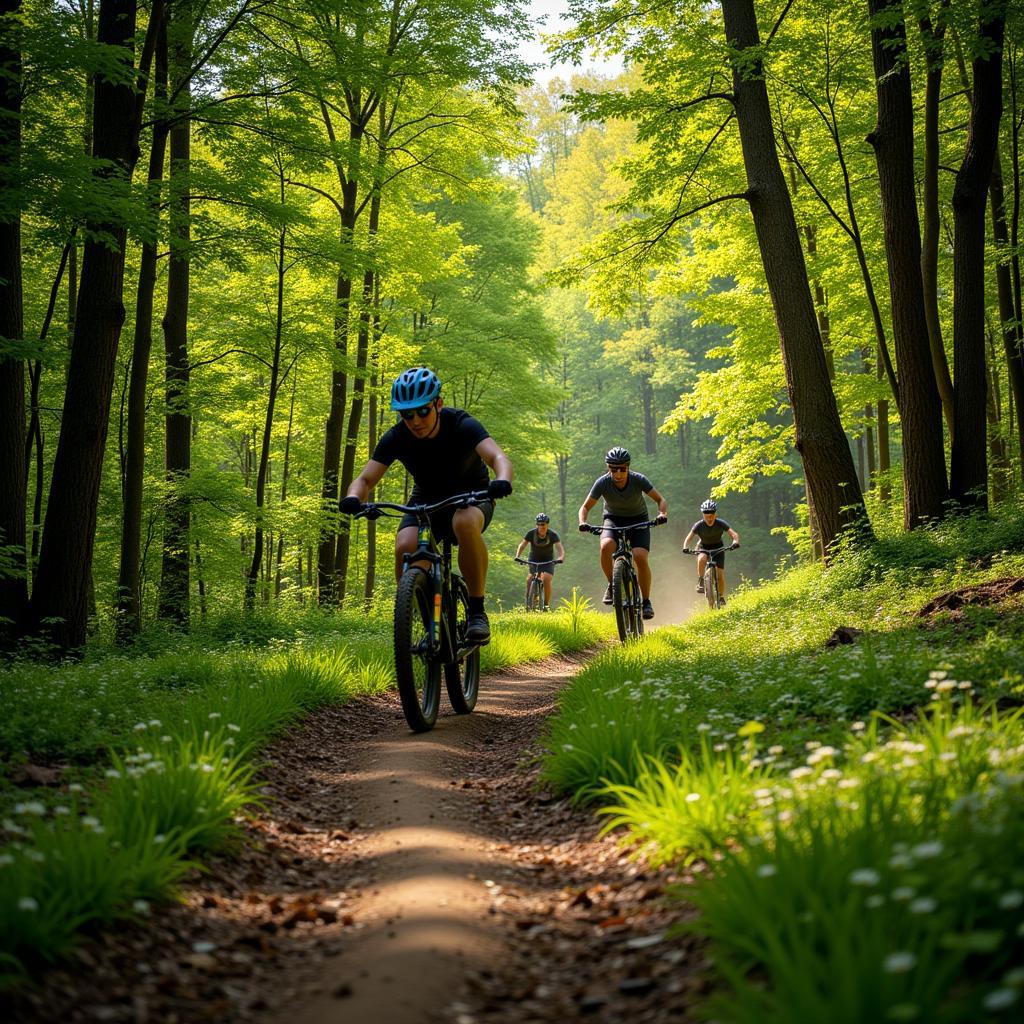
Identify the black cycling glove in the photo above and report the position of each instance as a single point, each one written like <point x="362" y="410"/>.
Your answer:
<point x="735" y="544"/>
<point x="350" y="505"/>
<point x="499" y="489"/>
<point x="584" y="528"/>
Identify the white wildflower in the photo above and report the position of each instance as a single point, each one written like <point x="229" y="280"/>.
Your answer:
<point x="767" y="870"/>
<point x="864" y="876"/>
<point x="1000" y="999"/>
<point x="27" y="903"/>
<point x="900" y="962"/>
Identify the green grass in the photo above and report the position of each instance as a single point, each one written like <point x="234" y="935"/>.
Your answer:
<point x="857" y="809"/>
<point x="159" y="748"/>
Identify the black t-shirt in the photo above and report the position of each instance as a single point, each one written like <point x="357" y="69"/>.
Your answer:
<point x="542" y="550"/>
<point x="625" y="501"/>
<point x="442" y="465"/>
<point x="710" y="536"/>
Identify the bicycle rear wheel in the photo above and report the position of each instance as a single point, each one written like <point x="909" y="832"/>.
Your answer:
<point x="462" y="678"/>
<point x="416" y="668"/>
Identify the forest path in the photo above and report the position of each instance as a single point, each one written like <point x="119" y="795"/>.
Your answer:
<point x="403" y="879"/>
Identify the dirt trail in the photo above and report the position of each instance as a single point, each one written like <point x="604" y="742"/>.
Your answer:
<point x="406" y="880"/>
<point x="429" y="858"/>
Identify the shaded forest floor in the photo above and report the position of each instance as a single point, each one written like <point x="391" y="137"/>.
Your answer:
<point x="402" y="878"/>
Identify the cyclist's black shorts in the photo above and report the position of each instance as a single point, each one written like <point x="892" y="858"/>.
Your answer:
<point x="441" y="521"/>
<point x="639" y="538"/>
<point x="718" y="559"/>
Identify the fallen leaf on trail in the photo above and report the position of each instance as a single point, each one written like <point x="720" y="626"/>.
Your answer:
<point x="611" y="922"/>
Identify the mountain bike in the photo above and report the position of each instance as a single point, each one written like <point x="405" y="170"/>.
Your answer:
<point x="711" y="594"/>
<point x="627" y="600"/>
<point x="534" y="582"/>
<point x="431" y="613"/>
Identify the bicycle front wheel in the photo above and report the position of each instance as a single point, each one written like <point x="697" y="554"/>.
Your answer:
<point x="626" y="601"/>
<point x="416" y="668"/>
<point x="462" y="678"/>
<point x="711" y="585"/>
<point x="533" y="594"/>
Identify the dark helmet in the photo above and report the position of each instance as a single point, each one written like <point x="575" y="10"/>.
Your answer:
<point x="543" y="517"/>
<point x="414" y="388"/>
<point x="618" y="455"/>
<point x="709" y="506"/>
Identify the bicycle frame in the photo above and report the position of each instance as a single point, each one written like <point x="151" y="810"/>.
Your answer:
<point x="710" y="575"/>
<point x="624" y="553"/>
<point x="441" y="636"/>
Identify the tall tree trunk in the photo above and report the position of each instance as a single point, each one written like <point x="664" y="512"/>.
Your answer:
<point x="355" y="417"/>
<point x="268" y="422"/>
<point x="60" y="597"/>
<point x="13" y="489"/>
<point x="335" y="418"/>
<point x="1000" y="462"/>
<point x="932" y="38"/>
<point x="969" y="472"/>
<point x="284" y="480"/>
<point x="828" y="465"/>
<point x="924" y="458"/>
<point x="176" y="552"/>
<point x="1011" y="327"/>
<point x="370" y="582"/>
<point x="128" y="601"/>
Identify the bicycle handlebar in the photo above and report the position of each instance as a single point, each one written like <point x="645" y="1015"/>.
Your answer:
<point x="620" y="529"/>
<point x="710" y="551"/>
<point x="547" y="561"/>
<point x="466" y="500"/>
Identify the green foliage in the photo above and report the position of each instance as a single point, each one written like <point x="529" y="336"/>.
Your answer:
<point x="857" y="809"/>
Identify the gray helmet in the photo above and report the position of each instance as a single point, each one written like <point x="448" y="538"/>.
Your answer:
<point x="618" y="455"/>
<point x="414" y="388"/>
<point x="542" y="517"/>
<point x="709" y="506"/>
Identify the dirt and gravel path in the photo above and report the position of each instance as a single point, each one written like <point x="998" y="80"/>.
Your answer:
<point x="403" y="879"/>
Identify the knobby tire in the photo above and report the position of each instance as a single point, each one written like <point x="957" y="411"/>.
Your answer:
<point x="533" y="595"/>
<point x="711" y="585"/>
<point x="462" y="679"/>
<point x="417" y="671"/>
<point x="624" y="599"/>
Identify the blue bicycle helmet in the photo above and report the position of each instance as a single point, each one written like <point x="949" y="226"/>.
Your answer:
<point x="542" y="517"/>
<point x="414" y="388"/>
<point x="709" y="506"/>
<point x="617" y="455"/>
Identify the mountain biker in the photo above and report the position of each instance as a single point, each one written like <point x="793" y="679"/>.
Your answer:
<point x="623" y="492"/>
<point x="709" y="528"/>
<point x="545" y="547"/>
<point x="445" y="451"/>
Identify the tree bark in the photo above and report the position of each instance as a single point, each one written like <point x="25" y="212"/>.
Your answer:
<point x="284" y="481"/>
<point x="1011" y="327"/>
<point x="933" y="38"/>
<point x="13" y="484"/>
<point x="969" y="472"/>
<point x="924" y="459"/>
<point x="370" y="582"/>
<point x="59" y="602"/>
<point x="828" y="465"/>
<point x="176" y="553"/>
<point x="128" y="601"/>
<point x="268" y="422"/>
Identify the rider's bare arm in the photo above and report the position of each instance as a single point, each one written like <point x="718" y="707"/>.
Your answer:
<point x="585" y="508"/>
<point x="367" y="480"/>
<point x="490" y="451"/>
<point x="735" y="536"/>
<point x="519" y="550"/>
<point x="560" y="551"/>
<point x="690" y="537"/>
<point x="662" y="504"/>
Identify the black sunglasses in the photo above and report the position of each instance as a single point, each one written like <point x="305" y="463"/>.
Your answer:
<point x="423" y="412"/>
